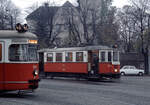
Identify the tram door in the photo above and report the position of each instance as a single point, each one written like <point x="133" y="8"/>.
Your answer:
<point x="1" y="66"/>
<point x="41" y="62"/>
<point x="93" y="60"/>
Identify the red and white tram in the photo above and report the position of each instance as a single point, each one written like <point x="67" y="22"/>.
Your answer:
<point x="81" y="62"/>
<point x="18" y="61"/>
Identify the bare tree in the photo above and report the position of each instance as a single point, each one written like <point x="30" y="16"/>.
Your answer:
<point x="8" y="14"/>
<point x="72" y="24"/>
<point x="98" y="21"/>
<point x="127" y="30"/>
<point x="107" y="25"/>
<point x="13" y="14"/>
<point x="32" y="8"/>
<point x="43" y="24"/>
<point x="85" y="24"/>
<point x="142" y="17"/>
<point x="83" y="9"/>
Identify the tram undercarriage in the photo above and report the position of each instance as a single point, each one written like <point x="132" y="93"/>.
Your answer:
<point x="82" y="75"/>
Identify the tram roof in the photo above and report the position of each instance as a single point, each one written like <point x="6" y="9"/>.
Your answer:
<point x="100" y="47"/>
<point x="14" y="34"/>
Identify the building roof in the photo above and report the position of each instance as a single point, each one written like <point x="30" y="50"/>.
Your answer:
<point x="67" y="4"/>
<point x="43" y="10"/>
<point x="6" y="34"/>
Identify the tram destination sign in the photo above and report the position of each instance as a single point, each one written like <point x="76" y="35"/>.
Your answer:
<point x="19" y="41"/>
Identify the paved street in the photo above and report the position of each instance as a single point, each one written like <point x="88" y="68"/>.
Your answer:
<point x="131" y="90"/>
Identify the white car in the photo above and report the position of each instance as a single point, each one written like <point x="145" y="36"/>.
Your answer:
<point x="131" y="70"/>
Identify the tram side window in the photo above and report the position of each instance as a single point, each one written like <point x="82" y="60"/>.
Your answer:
<point x="79" y="56"/>
<point x="58" y="57"/>
<point x="18" y="52"/>
<point x="68" y="56"/>
<point x="115" y="56"/>
<point x="50" y="57"/>
<point x="23" y="52"/>
<point x="103" y="56"/>
<point x="109" y="57"/>
<point x="0" y="52"/>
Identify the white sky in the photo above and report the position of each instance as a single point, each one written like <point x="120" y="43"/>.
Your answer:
<point x="26" y="3"/>
<point x="23" y="4"/>
<point x="120" y="3"/>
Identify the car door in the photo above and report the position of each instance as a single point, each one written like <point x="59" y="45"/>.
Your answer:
<point x="132" y="70"/>
<point x="125" y="69"/>
<point x="128" y="71"/>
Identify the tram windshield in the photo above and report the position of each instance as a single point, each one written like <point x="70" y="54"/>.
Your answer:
<point x="23" y="52"/>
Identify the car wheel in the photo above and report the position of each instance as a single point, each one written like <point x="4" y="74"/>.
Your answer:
<point x="140" y="73"/>
<point x="122" y="73"/>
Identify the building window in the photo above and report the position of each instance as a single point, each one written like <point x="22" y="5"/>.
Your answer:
<point x="58" y="57"/>
<point x="68" y="56"/>
<point x="79" y="56"/>
<point x="50" y="57"/>
<point x="0" y="52"/>
<point x="103" y="56"/>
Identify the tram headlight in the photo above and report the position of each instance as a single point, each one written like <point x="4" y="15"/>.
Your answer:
<point x="92" y="72"/>
<point x="116" y="70"/>
<point x="35" y="72"/>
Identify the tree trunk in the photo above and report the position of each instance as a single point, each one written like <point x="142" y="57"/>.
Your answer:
<point x="11" y="20"/>
<point x="146" y="65"/>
